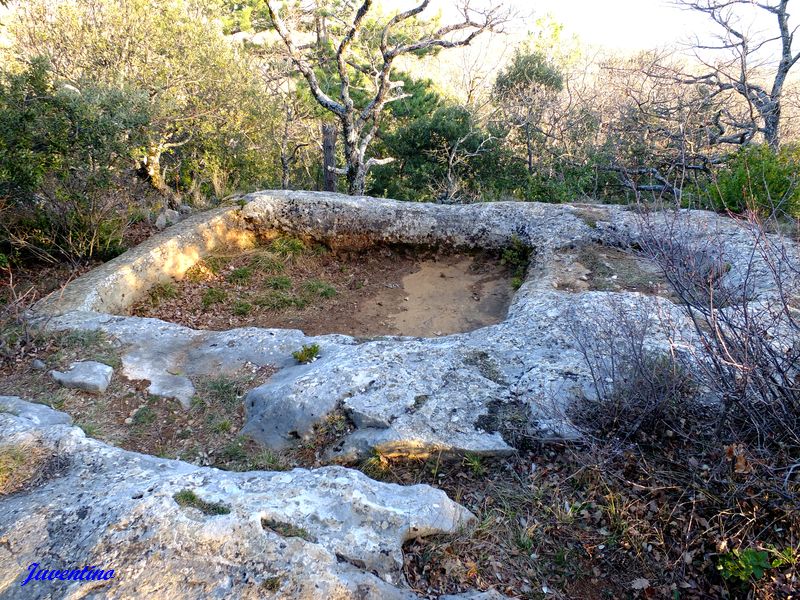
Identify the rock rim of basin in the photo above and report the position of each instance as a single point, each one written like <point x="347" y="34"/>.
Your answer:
<point x="404" y="396"/>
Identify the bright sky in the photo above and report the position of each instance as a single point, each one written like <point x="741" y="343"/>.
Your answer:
<point x="620" y="24"/>
<point x="624" y="25"/>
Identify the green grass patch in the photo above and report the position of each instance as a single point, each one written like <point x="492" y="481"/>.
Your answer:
<point x="267" y="263"/>
<point x="222" y="390"/>
<point x="166" y="290"/>
<point x="277" y="300"/>
<point x="287" y="246"/>
<point x="82" y="339"/>
<point x="241" y="308"/>
<point x="223" y="426"/>
<point x="307" y="353"/>
<point x="279" y="282"/>
<point x="144" y="416"/>
<point x="233" y="452"/>
<point x="318" y="288"/>
<point x="187" y="498"/>
<point x="215" y="263"/>
<point x="240" y="275"/>
<point x="213" y="296"/>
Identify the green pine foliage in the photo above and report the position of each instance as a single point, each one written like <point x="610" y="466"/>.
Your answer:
<point x="760" y="179"/>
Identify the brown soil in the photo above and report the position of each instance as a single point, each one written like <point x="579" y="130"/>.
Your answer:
<point x="380" y="291"/>
<point x="128" y="417"/>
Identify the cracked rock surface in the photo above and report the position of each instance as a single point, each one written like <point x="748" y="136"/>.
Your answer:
<point x="326" y="533"/>
<point x="408" y="396"/>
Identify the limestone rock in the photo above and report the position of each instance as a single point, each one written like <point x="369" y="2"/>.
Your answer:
<point x="38" y="414"/>
<point x="88" y="375"/>
<point x="330" y="532"/>
<point x="167" y="217"/>
<point x="404" y="396"/>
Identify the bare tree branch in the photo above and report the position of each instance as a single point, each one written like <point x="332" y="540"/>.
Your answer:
<point x="360" y="125"/>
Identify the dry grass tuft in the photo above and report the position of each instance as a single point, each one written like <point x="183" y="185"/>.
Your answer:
<point x="20" y="467"/>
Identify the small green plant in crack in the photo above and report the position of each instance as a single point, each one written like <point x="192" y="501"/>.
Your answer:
<point x="307" y="353"/>
<point x="516" y="257"/>
<point x="213" y="296"/>
<point x="187" y="498"/>
<point x="285" y="529"/>
<point x="272" y="584"/>
<point x="240" y="275"/>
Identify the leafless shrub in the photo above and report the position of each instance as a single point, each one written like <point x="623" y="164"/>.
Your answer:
<point x="636" y="387"/>
<point x="745" y="315"/>
<point x="17" y="333"/>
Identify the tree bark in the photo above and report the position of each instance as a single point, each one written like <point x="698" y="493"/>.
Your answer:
<point x="356" y="170"/>
<point x="529" y="146"/>
<point x="285" y="167"/>
<point x="151" y="168"/>
<point x="285" y="161"/>
<point x="772" y="127"/>
<point x="329" y="157"/>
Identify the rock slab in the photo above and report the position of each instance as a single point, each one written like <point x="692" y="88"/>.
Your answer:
<point x="475" y="392"/>
<point x="311" y="534"/>
<point x="87" y="375"/>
